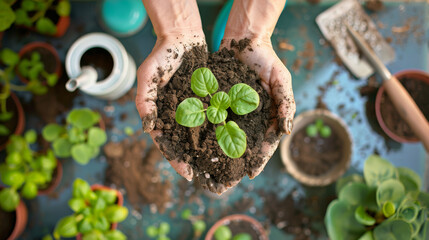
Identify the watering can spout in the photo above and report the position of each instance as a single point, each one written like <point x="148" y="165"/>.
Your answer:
<point x="87" y="77"/>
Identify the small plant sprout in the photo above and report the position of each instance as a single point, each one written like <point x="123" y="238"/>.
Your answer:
<point x="128" y="131"/>
<point x="160" y="232"/>
<point x="80" y="138"/>
<point x="318" y="127"/>
<point x="224" y="233"/>
<point x="34" y="70"/>
<point x="94" y="213"/>
<point x="198" y="225"/>
<point x="241" y="99"/>
<point x="24" y="170"/>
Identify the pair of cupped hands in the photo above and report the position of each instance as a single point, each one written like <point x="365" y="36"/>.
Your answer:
<point x="183" y="32"/>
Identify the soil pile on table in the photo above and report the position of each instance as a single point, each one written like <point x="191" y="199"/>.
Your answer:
<point x="198" y="146"/>
<point x="133" y="167"/>
<point x="419" y="91"/>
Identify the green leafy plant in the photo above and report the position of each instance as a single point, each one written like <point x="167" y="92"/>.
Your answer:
<point x="80" y="138"/>
<point x="318" y="128"/>
<point x="94" y="213"/>
<point x="224" y="233"/>
<point x="198" y="225"/>
<point x="24" y="170"/>
<point x="386" y="203"/>
<point x="34" y="71"/>
<point x="32" y="13"/>
<point x="241" y="99"/>
<point x="160" y="232"/>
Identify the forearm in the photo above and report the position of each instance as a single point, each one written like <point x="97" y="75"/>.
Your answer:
<point x="173" y="16"/>
<point x="253" y="18"/>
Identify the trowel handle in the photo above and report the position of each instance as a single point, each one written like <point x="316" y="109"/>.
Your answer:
<point x="408" y="109"/>
<point x="88" y="76"/>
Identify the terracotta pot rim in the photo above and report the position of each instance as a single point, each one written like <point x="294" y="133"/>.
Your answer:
<point x="21" y="118"/>
<point x="55" y="182"/>
<point x="238" y="217"/>
<point x="399" y="75"/>
<point x="21" y="218"/>
<point x="38" y="44"/>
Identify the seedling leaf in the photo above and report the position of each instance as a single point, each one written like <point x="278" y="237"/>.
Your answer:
<point x="81" y="189"/>
<point x="13" y="178"/>
<point x="77" y="204"/>
<point x="9" y="199"/>
<point x="223" y="232"/>
<point x="82" y="153"/>
<point x="203" y="82"/>
<point x="66" y="227"/>
<point x="29" y="191"/>
<point x="115" y="235"/>
<point x="52" y="131"/>
<point x="115" y="213"/>
<point x="82" y="118"/>
<point x="7" y="16"/>
<point x="63" y="8"/>
<point x="242" y="236"/>
<point x="4" y="131"/>
<point x="164" y="228"/>
<point x="30" y="136"/>
<point x="220" y="100"/>
<point x="231" y="139"/>
<point x="388" y="209"/>
<point x="46" y="26"/>
<point x="8" y="57"/>
<point x="363" y="217"/>
<point x="311" y="130"/>
<point x="62" y="147"/>
<point x="96" y="137"/>
<point x="376" y="170"/>
<point x="216" y="115"/>
<point x="390" y="190"/>
<point x="244" y="99"/>
<point x="190" y="113"/>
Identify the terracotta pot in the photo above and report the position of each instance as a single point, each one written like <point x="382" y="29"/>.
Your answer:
<point x="238" y="217"/>
<point x="56" y="179"/>
<point x="414" y="74"/>
<point x="21" y="118"/>
<point x="34" y="45"/>
<point x="339" y="127"/>
<point x="119" y="201"/>
<point x="20" y="222"/>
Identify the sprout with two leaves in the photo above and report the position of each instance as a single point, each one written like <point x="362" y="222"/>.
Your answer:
<point x="241" y="98"/>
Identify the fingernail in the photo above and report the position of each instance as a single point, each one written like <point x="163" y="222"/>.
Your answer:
<point x="288" y="126"/>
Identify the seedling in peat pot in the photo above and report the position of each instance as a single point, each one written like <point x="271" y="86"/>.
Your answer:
<point x="80" y="138"/>
<point x="94" y="213"/>
<point x="24" y="170"/>
<point x="224" y="233"/>
<point x="159" y="233"/>
<point x="241" y="98"/>
<point x="198" y="225"/>
<point x="318" y="128"/>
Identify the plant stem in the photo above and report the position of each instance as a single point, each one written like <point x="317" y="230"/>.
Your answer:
<point x="42" y="13"/>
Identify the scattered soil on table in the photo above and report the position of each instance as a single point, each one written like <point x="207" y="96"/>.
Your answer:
<point x="419" y="92"/>
<point x="12" y="124"/>
<point x="133" y="166"/>
<point x="316" y="155"/>
<point x="46" y="58"/>
<point x="243" y="227"/>
<point x="100" y="59"/>
<point x="198" y="146"/>
<point x="8" y="220"/>
<point x="374" y="5"/>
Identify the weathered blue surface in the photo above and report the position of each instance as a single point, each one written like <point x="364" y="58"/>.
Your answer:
<point x="297" y="25"/>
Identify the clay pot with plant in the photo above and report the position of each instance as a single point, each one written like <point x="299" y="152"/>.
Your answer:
<point x="386" y="203"/>
<point x="49" y="17"/>
<point x="319" y="149"/>
<point x="80" y="138"/>
<point x="97" y="210"/>
<point x="237" y="227"/>
<point x="13" y="222"/>
<point x="26" y="172"/>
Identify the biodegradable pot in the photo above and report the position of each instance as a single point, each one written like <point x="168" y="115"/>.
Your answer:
<point x="120" y="202"/>
<point x="34" y="46"/>
<point x="21" y="118"/>
<point x="56" y="179"/>
<point x="339" y="127"/>
<point x="414" y="74"/>
<point x="20" y="220"/>
<point x="238" y="217"/>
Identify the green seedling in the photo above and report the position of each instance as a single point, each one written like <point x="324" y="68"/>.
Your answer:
<point x="94" y="213"/>
<point x="24" y="170"/>
<point x="80" y="138"/>
<point x="32" y="13"/>
<point x="198" y="225"/>
<point x="128" y="131"/>
<point x="224" y="233"/>
<point x="241" y="99"/>
<point x="160" y="232"/>
<point x="386" y="203"/>
<point x="318" y="127"/>
<point x="33" y="69"/>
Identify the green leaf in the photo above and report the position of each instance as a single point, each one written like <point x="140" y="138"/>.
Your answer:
<point x="190" y="113"/>
<point x="13" y="159"/>
<point x="96" y="137"/>
<point x="390" y="190"/>
<point x="311" y="130"/>
<point x="29" y="191"/>
<point x="346" y="180"/>
<point x="408" y="212"/>
<point x="4" y="131"/>
<point x="47" y="237"/>
<point x="376" y="170"/>
<point x="28" y="5"/>
<point x="203" y="82"/>
<point x="52" y="131"/>
<point x="9" y="199"/>
<point x="216" y="115"/>
<point x="231" y="139"/>
<point x="152" y="231"/>
<point x="13" y="178"/>
<point x="81" y="189"/>
<point x="423" y="198"/>
<point x="319" y="124"/>
<point x="244" y="99"/>
<point x="22" y="18"/>
<point x="363" y="217"/>
<point x="46" y="26"/>
<point x="5" y="116"/>
<point x="47" y="162"/>
<point x="76" y="135"/>
<point x="356" y="194"/>
<point x="51" y="79"/>
<point x="409" y="179"/>
<point x="98" y="205"/>
<point x="199" y="227"/>
<point x="66" y="227"/>
<point x="109" y="196"/>
<point x="128" y="130"/>
<point x="223" y="232"/>
<point x="81" y="153"/>
<point x="242" y="236"/>
<point x="9" y="57"/>
<point x="77" y="204"/>
<point x="164" y="228"/>
<point x="36" y="87"/>
<point x="30" y="136"/>
<point x="325" y="132"/>
<point x="393" y="230"/>
<point x="388" y="209"/>
<point x="36" y="178"/>
<point x="83" y="118"/>
<point x="186" y="214"/>
<point x="63" y="8"/>
<point x="62" y="147"/>
<point x="7" y="16"/>
<point x="367" y="236"/>
<point x="93" y="235"/>
<point x="35" y="71"/>
<point x="85" y="225"/>
<point x="101" y="223"/>
<point x="115" y="235"/>
<point x="220" y="100"/>
<point x="116" y="213"/>
<point x="341" y="223"/>
<point x="35" y="57"/>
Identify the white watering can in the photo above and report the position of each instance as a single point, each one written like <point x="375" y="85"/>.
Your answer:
<point x="116" y="84"/>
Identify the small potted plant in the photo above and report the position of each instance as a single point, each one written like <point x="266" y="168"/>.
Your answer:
<point x="237" y="227"/>
<point x="97" y="210"/>
<point x="386" y="203"/>
<point x="26" y="171"/>
<point x="80" y="138"/>
<point x="13" y="222"/>
<point x="46" y="17"/>
<point x="319" y="149"/>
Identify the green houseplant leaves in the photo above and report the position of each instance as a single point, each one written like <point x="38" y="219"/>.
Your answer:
<point x="203" y="82"/>
<point x="190" y="113"/>
<point x="7" y="16"/>
<point x="231" y="139"/>
<point x="244" y="99"/>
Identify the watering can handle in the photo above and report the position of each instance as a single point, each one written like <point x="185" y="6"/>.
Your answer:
<point x="88" y="76"/>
